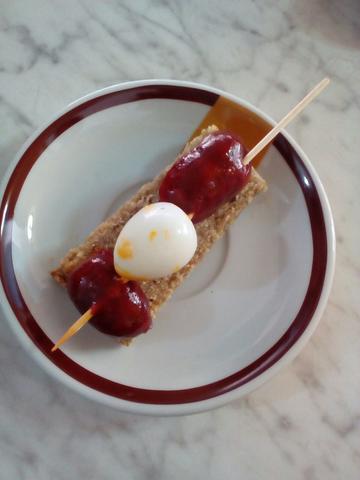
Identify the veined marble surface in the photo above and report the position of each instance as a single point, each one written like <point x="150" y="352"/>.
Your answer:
<point x="304" y="423"/>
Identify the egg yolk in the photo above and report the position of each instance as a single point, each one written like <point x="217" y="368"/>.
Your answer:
<point x="125" y="250"/>
<point x="125" y="274"/>
<point x="152" y="235"/>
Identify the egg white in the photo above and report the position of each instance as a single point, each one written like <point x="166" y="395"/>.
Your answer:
<point x="156" y="242"/>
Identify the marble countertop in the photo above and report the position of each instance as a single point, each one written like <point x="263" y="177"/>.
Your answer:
<point x="304" y="423"/>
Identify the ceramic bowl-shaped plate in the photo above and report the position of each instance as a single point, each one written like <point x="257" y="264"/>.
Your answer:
<point x="246" y="310"/>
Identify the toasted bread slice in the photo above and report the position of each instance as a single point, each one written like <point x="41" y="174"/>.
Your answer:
<point x="208" y="231"/>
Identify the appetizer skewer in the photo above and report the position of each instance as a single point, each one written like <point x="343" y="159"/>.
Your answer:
<point x="220" y="165"/>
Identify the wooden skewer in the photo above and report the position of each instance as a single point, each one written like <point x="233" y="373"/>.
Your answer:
<point x="75" y="327"/>
<point x="286" y="120"/>
<point x="83" y="320"/>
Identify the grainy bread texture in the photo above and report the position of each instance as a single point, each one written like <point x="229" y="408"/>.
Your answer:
<point x="208" y="231"/>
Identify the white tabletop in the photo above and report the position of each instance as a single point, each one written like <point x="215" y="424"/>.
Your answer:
<point x="304" y="423"/>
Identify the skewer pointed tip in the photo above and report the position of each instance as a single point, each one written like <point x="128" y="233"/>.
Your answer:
<point x="75" y="327"/>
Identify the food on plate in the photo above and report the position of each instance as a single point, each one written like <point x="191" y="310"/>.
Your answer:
<point x="207" y="176"/>
<point x="157" y="241"/>
<point x="118" y="307"/>
<point x="208" y="181"/>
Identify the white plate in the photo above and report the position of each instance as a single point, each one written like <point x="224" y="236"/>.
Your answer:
<point x="246" y="310"/>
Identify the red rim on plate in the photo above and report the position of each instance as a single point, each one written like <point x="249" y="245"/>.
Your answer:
<point x="126" y="392"/>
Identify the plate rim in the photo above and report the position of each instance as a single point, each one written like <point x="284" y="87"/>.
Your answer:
<point x="205" y="404"/>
